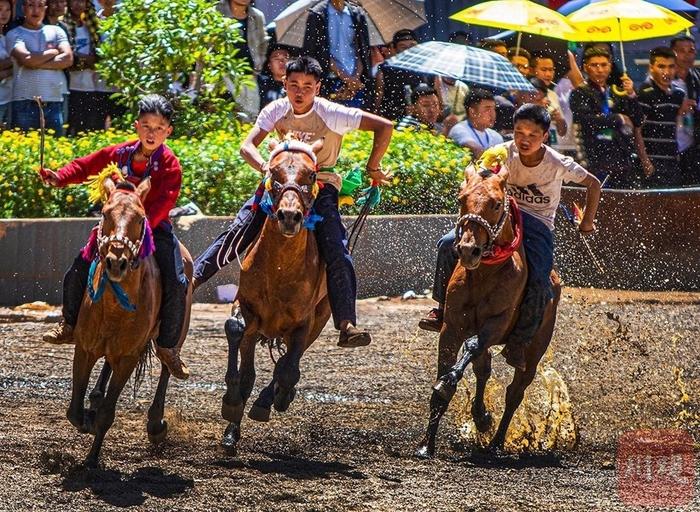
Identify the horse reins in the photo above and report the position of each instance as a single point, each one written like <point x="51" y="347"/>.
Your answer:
<point x="493" y="232"/>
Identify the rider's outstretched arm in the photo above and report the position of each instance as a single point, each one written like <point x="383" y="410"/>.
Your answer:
<point x="249" y="149"/>
<point x="383" y="130"/>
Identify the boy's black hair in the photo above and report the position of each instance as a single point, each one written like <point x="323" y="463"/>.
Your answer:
<point x="535" y="113"/>
<point x="306" y="65"/>
<point x="663" y="52"/>
<point x="518" y="52"/>
<point x="156" y="104"/>
<point x="594" y="51"/>
<point x="420" y="91"/>
<point x="405" y="34"/>
<point x="490" y="44"/>
<point x="681" y="39"/>
<point x="476" y="96"/>
<point x="539" y="55"/>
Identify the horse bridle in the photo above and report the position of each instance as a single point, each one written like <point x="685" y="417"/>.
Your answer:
<point x="492" y="231"/>
<point x="134" y="247"/>
<point x="305" y="192"/>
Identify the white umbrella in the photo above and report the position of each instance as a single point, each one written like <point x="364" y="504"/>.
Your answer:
<point x="384" y="19"/>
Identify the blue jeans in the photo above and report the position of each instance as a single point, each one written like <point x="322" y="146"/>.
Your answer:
<point x="173" y="282"/>
<point x="538" y="241"/>
<point x="25" y="115"/>
<point x="332" y="246"/>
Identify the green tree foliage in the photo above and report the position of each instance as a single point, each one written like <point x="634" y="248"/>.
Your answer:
<point x="150" y="44"/>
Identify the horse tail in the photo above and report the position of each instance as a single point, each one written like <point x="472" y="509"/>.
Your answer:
<point x="143" y="366"/>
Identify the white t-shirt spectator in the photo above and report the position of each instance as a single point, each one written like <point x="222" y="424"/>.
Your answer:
<point x="5" y="84"/>
<point x="83" y="80"/>
<point x="465" y="134"/>
<point x="538" y="189"/>
<point x="50" y="84"/>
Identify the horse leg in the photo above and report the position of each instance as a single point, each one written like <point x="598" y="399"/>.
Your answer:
<point x="157" y="427"/>
<point x="98" y="392"/>
<point x="83" y="362"/>
<point x="260" y="411"/>
<point x="287" y="372"/>
<point x="482" y="371"/>
<point x="234" y="328"/>
<point x="104" y="416"/>
<point x="521" y="380"/>
<point x="240" y="387"/>
<point x="446" y="385"/>
<point x="447" y="354"/>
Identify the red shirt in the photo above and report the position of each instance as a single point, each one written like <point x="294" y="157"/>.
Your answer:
<point x="163" y="168"/>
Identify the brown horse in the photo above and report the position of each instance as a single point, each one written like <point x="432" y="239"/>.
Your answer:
<point x="282" y="293"/>
<point x="482" y="304"/>
<point x="106" y="329"/>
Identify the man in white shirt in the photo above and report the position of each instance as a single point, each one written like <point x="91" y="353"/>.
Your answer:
<point x="41" y="52"/>
<point x="309" y="118"/>
<point x="476" y="131"/>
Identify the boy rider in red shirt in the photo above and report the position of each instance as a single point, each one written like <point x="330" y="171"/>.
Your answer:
<point x="146" y="157"/>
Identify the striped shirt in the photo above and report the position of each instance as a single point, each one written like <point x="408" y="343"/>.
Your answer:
<point x="661" y="116"/>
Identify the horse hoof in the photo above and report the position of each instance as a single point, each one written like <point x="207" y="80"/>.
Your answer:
<point x="444" y="390"/>
<point x="230" y="440"/>
<point x="91" y="462"/>
<point x="157" y="434"/>
<point x="483" y="422"/>
<point x="88" y="426"/>
<point x="424" y="452"/>
<point x="232" y="413"/>
<point x="495" y="449"/>
<point x="283" y="398"/>
<point x="258" y="413"/>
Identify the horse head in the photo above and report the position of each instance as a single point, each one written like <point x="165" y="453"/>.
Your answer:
<point x="123" y="227"/>
<point x="484" y="209"/>
<point x="292" y="182"/>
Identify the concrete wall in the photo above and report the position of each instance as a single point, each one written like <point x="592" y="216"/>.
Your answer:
<point x="646" y="240"/>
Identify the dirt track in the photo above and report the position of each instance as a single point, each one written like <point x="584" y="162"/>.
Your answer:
<point x="347" y="441"/>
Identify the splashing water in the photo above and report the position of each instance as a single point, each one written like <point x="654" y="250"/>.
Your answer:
<point x="544" y="420"/>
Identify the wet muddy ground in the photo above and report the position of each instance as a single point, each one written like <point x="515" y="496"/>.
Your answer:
<point x="347" y="441"/>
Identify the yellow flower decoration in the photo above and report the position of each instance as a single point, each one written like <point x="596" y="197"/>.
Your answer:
<point x="97" y="193"/>
<point x="493" y="158"/>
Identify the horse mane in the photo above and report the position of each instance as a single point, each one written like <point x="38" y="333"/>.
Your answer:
<point x="126" y="185"/>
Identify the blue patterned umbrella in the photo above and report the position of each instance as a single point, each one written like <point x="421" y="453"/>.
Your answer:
<point x="471" y="65"/>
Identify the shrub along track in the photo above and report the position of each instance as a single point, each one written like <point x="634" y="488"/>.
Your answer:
<point x="346" y="442"/>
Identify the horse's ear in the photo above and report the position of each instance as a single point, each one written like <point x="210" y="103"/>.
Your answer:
<point x="144" y="188"/>
<point x="503" y="174"/>
<point x="469" y="171"/>
<point x="317" y="146"/>
<point x="272" y="144"/>
<point x="109" y="186"/>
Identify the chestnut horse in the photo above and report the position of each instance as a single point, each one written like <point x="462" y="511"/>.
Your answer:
<point x="107" y="328"/>
<point x="482" y="304"/>
<point x="282" y="291"/>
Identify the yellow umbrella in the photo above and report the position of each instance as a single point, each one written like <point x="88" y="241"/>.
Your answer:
<point x="625" y="20"/>
<point x="519" y="15"/>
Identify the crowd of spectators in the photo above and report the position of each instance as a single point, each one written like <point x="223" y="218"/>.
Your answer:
<point x="630" y="135"/>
